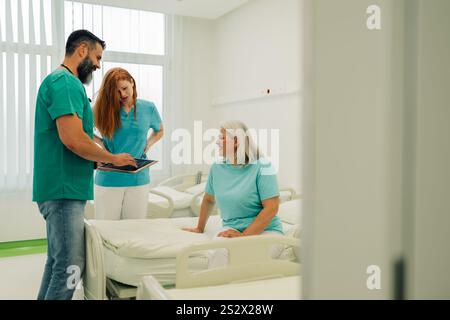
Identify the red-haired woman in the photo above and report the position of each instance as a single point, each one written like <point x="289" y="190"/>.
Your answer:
<point x="124" y="122"/>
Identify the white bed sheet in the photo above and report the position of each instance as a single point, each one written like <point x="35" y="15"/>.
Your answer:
<point x="148" y="238"/>
<point x="156" y="238"/>
<point x="130" y="270"/>
<point x="128" y="266"/>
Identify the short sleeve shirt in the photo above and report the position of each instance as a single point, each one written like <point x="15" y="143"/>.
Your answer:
<point x="58" y="172"/>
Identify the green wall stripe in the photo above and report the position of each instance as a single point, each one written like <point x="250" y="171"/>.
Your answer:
<point x="20" y="248"/>
<point x="23" y="243"/>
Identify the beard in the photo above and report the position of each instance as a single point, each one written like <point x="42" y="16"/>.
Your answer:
<point x="85" y="70"/>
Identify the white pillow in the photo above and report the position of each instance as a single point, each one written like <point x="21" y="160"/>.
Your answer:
<point x="291" y="211"/>
<point x="180" y="200"/>
<point x="196" y="189"/>
<point x="294" y="231"/>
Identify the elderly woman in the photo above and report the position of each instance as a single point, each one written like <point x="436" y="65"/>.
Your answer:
<point x="245" y="188"/>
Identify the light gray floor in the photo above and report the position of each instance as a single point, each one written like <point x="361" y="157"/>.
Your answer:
<point x="20" y="277"/>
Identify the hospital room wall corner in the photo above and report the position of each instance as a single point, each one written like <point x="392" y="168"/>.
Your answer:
<point x="376" y="150"/>
<point x="353" y="109"/>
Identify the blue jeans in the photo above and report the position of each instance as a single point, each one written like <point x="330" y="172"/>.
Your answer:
<point x="66" y="248"/>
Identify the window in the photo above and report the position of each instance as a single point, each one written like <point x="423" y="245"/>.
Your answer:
<point x="136" y="44"/>
<point x="32" y="44"/>
<point x="27" y="55"/>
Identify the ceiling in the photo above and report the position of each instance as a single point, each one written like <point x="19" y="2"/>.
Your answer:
<point x="208" y="9"/>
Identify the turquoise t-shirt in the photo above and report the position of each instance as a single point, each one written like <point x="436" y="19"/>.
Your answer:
<point x="58" y="172"/>
<point x="239" y="191"/>
<point x="131" y="138"/>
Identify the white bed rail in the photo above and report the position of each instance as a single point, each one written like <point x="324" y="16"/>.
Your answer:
<point x="292" y="194"/>
<point x="184" y="181"/>
<point x="156" y="211"/>
<point x="249" y="259"/>
<point x="151" y="289"/>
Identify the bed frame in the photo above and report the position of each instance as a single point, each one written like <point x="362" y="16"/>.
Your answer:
<point x="248" y="261"/>
<point x="94" y="280"/>
<point x="97" y="285"/>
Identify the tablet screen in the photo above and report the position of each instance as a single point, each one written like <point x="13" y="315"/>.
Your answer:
<point x="141" y="164"/>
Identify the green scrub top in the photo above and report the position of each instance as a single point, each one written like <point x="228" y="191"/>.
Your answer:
<point x="131" y="138"/>
<point x="58" y="172"/>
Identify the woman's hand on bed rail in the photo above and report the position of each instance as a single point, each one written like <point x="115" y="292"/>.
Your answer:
<point x="195" y="230"/>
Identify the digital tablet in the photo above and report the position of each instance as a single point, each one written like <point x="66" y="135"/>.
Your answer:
<point x="141" y="165"/>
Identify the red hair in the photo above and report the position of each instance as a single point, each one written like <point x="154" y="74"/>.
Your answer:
<point x="107" y="105"/>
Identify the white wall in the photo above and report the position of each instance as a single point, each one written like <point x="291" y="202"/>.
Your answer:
<point x="255" y="47"/>
<point x="377" y="152"/>
<point x="428" y="236"/>
<point x="193" y="87"/>
<point x="352" y="187"/>
<point x="21" y="219"/>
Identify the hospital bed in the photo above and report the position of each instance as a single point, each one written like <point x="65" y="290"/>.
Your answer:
<point x="171" y="200"/>
<point x="176" y="196"/>
<point x="250" y="274"/>
<point x="120" y="253"/>
<point x="181" y="196"/>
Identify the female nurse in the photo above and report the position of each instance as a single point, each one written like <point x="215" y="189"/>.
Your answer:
<point x="124" y="122"/>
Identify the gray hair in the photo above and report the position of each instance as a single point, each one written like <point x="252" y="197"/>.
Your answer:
<point x="247" y="146"/>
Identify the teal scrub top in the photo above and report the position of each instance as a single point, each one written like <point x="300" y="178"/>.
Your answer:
<point x="58" y="172"/>
<point x="240" y="190"/>
<point x="131" y="138"/>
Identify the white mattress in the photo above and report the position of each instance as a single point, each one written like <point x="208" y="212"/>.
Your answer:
<point x="127" y="266"/>
<point x="147" y="238"/>
<point x="286" y="288"/>
<point x="131" y="270"/>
